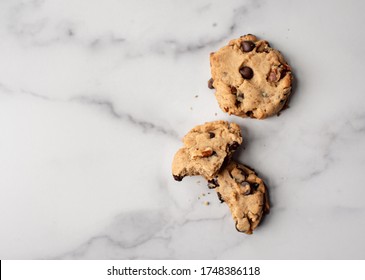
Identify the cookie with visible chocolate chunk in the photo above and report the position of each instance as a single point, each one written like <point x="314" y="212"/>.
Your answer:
<point x="206" y="148"/>
<point x="251" y="78"/>
<point x="244" y="193"/>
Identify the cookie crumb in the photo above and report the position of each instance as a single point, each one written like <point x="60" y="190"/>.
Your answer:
<point x="206" y="203"/>
<point x="196" y="96"/>
<point x="215" y="114"/>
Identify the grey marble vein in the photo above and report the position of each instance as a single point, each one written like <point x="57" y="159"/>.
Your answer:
<point x="66" y="31"/>
<point x="5" y="89"/>
<point x="146" y="126"/>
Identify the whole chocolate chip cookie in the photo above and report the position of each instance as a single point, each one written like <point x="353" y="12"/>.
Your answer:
<point x="251" y="78"/>
<point x="245" y="194"/>
<point x="206" y="148"/>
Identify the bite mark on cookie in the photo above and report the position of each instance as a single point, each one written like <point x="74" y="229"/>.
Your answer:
<point x="207" y="148"/>
<point x="245" y="194"/>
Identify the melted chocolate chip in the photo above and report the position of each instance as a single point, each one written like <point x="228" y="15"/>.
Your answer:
<point x="210" y="83"/>
<point x="220" y="197"/>
<point x="247" y="46"/>
<point x="249" y="114"/>
<point x="211" y="135"/>
<point x="213" y="183"/>
<point x="255" y="185"/>
<point x="178" y="178"/>
<point x="283" y="73"/>
<point x="246" y="72"/>
<point x="233" y="90"/>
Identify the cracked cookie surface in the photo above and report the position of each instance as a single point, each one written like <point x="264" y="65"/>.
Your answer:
<point x="244" y="193"/>
<point x="251" y="78"/>
<point x="206" y="148"/>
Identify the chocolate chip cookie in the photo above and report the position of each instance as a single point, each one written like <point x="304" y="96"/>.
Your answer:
<point x="244" y="193"/>
<point x="251" y="78"/>
<point x="206" y="148"/>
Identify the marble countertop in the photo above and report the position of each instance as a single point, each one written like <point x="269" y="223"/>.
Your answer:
<point x="95" y="97"/>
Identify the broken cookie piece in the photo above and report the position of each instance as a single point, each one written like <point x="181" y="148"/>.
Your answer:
<point x="206" y="148"/>
<point x="244" y="193"/>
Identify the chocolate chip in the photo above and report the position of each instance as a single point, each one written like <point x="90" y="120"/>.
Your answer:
<point x="213" y="183"/>
<point x="249" y="114"/>
<point x="220" y="197"/>
<point x="233" y="90"/>
<point x="233" y="146"/>
<point x="255" y="185"/>
<point x="247" y="46"/>
<point x="283" y="73"/>
<point x="210" y="83"/>
<point x="211" y="135"/>
<point x="178" y="178"/>
<point x="246" y="72"/>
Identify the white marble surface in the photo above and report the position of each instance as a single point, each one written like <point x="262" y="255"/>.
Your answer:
<point x="96" y="95"/>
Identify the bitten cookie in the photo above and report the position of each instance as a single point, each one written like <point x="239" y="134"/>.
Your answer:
<point x="251" y="78"/>
<point x="244" y="193"/>
<point x="206" y="148"/>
